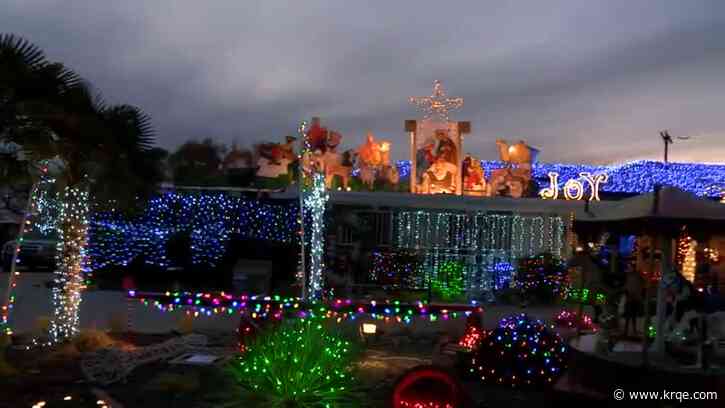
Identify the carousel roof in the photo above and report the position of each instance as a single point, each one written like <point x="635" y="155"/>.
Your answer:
<point x="667" y="203"/>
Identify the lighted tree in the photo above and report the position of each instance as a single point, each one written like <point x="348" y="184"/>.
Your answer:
<point x="104" y="151"/>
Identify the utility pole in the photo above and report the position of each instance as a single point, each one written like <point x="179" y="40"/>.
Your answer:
<point x="667" y="140"/>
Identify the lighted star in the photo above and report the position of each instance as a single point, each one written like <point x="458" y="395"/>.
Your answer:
<point x="436" y="105"/>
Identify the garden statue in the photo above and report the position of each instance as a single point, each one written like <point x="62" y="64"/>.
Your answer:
<point x="370" y="153"/>
<point x="274" y="159"/>
<point x="337" y="164"/>
<point x="424" y="159"/>
<point x="440" y="178"/>
<point x="374" y="162"/>
<point x="389" y="175"/>
<point x="367" y="176"/>
<point x="316" y="135"/>
<point x="474" y="182"/>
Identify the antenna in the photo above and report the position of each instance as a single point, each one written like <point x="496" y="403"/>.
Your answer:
<point x="667" y="140"/>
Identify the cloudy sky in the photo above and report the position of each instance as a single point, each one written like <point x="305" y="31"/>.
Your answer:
<point x="584" y="81"/>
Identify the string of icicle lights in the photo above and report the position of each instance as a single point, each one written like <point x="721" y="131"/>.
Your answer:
<point x="315" y="201"/>
<point x="485" y="243"/>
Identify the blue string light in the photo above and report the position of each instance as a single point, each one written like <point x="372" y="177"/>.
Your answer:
<point x="210" y="219"/>
<point x="628" y="178"/>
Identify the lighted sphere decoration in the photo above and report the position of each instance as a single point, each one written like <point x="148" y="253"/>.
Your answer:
<point x="428" y="387"/>
<point x="521" y="351"/>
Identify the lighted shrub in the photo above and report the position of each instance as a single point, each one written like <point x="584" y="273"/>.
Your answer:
<point x="301" y="365"/>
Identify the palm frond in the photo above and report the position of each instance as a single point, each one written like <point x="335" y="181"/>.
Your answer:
<point x="25" y="52"/>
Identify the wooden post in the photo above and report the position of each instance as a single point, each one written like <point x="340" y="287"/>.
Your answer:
<point x="647" y="285"/>
<point x="410" y="127"/>
<point x="667" y="275"/>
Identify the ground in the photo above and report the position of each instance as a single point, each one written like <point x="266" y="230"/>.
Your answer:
<point x="164" y="385"/>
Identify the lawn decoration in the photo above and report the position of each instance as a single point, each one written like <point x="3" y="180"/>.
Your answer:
<point x="428" y="387"/>
<point x="109" y="365"/>
<point x="373" y="160"/>
<point x="274" y="159"/>
<point x="514" y="179"/>
<point x="449" y="281"/>
<point x="572" y="320"/>
<point x="337" y="164"/>
<point x="521" y="351"/>
<point x="542" y="274"/>
<point x="298" y="365"/>
<point x="474" y="334"/>
<point x="397" y="267"/>
<point x="474" y="181"/>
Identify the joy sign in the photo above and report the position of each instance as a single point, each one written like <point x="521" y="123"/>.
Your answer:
<point x="573" y="189"/>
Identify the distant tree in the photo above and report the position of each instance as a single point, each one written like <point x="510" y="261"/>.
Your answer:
<point x="105" y="153"/>
<point x="197" y="163"/>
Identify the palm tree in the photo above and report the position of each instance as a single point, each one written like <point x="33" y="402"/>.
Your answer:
<point x="105" y="153"/>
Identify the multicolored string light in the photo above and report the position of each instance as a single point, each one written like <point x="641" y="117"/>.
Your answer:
<point x="41" y="216"/>
<point x="521" y="351"/>
<point x="278" y="307"/>
<point x="572" y="320"/>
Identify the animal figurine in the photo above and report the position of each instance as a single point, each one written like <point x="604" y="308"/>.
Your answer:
<point x="370" y="153"/>
<point x="514" y="179"/>
<point x="389" y="174"/>
<point x="273" y="159"/>
<point x="367" y="175"/>
<point x="316" y="135"/>
<point x="336" y="164"/>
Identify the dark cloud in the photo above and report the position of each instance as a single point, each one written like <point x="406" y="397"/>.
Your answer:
<point x="581" y="81"/>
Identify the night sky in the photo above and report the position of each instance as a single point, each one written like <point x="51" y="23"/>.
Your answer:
<point x="583" y="81"/>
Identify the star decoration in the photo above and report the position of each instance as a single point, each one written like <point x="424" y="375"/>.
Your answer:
<point x="437" y="104"/>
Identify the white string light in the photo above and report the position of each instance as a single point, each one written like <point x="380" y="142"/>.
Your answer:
<point x="70" y="257"/>
<point x="438" y="104"/>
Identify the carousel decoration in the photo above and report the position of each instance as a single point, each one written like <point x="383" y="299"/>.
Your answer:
<point x="436" y="145"/>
